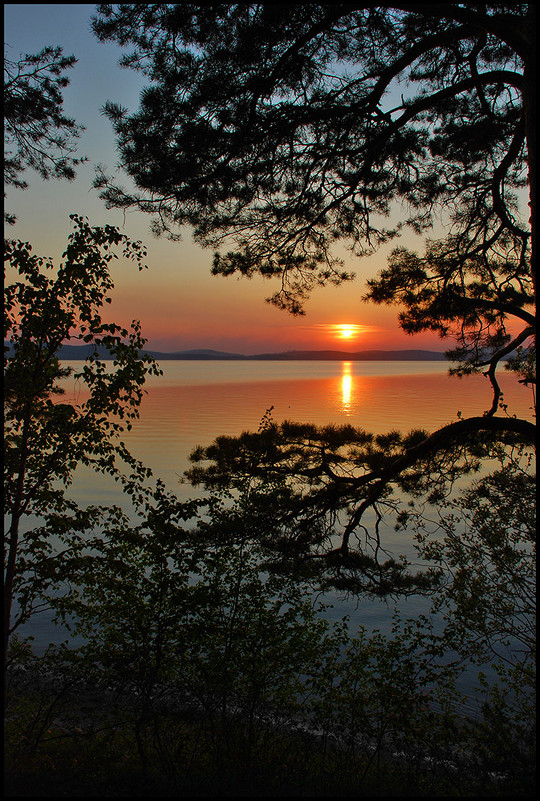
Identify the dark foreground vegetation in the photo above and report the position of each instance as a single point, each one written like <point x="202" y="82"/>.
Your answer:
<point x="66" y="737"/>
<point x="92" y="748"/>
<point x="207" y="671"/>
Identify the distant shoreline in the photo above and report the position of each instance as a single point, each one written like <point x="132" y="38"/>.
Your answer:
<point x="82" y="351"/>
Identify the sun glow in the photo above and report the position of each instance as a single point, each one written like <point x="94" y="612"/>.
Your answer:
<point x="347" y="330"/>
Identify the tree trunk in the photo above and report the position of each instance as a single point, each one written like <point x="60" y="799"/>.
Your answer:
<point x="12" y="545"/>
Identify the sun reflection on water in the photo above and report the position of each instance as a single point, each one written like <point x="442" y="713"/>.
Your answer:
<point x="346" y="387"/>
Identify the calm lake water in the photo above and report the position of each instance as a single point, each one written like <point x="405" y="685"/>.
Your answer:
<point x="195" y="401"/>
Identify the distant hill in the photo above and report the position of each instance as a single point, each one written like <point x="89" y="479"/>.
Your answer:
<point x="357" y="356"/>
<point x="198" y="354"/>
<point x="75" y="352"/>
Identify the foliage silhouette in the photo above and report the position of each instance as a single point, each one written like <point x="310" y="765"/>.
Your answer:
<point x="37" y="134"/>
<point x="45" y="438"/>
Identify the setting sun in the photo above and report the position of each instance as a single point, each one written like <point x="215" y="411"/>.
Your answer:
<point x="347" y="331"/>
<point x="347" y="334"/>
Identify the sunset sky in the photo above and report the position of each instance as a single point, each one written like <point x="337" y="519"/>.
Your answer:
<point x="179" y="303"/>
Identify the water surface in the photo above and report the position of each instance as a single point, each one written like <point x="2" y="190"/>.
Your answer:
<point x="196" y="401"/>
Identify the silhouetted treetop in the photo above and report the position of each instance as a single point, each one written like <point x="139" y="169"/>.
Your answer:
<point x="285" y="128"/>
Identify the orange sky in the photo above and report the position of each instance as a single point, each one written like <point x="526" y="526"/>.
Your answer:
<point x="179" y="303"/>
<point x="182" y="306"/>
